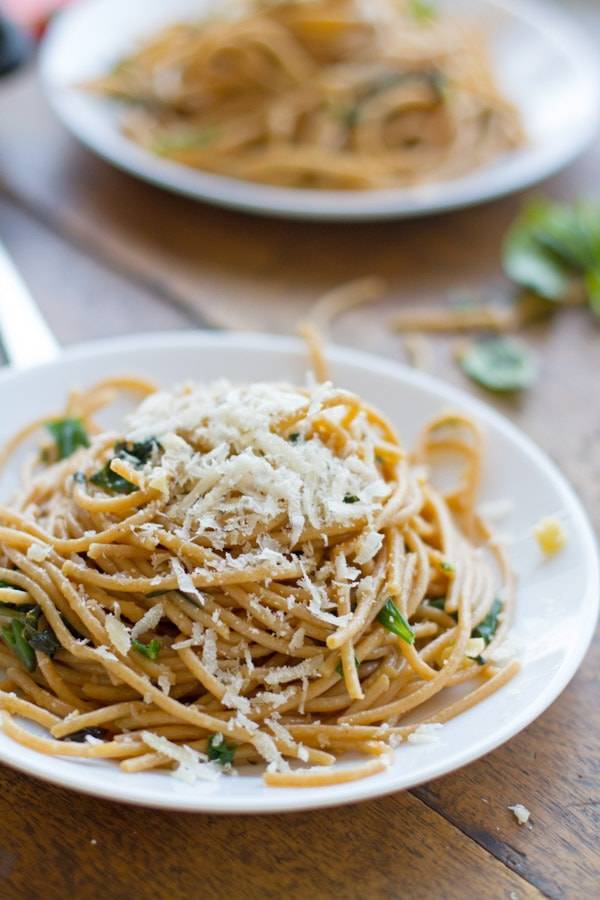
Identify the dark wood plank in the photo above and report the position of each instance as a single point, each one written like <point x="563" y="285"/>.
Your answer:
<point x="394" y="847"/>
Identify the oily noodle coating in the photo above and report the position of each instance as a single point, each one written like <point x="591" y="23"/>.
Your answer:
<point x="334" y="94"/>
<point x="246" y="653"/>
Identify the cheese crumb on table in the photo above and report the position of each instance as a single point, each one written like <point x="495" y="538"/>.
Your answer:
<point x="521" y="813"/>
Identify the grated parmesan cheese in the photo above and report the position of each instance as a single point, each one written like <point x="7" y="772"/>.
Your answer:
<point x="118" y="634"/>
<point x="269" y="752"/>
<point x="425" y="733"/>
<point x="195" y="640"/>
<point x="297" y="640"/>
<point x="38" y="552"/>
<point x="368" y="548"/>
<point x="279" y="730"/>
<point x="246" y="474"/>
<point x="148" y="622"/>
<point x="232" y="698"/>
<point x="185" y="583"/>
<point x="191" y="765"/>
<point x="209" y="652"/>
<point x="284" y="674"/>
<point x="164" y="683"/>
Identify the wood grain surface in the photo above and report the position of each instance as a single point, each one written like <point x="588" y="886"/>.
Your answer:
<point x="105" y="255"/>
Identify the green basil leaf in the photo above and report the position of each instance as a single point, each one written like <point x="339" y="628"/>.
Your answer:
<point x="137" y="453"/>
<point x="499" y="364"/>
<point x="487" y="628"/>
<point x="391" y="618"/>
<point x="150" y="650"/>
<point x="221" y="751"/>
<point x="15" y="639"/>
<point x="592" y="285"/>
<point x="45" y="641"/>
<point x="351" y="498"/>
<point x="531" y="264"/>
<point x="423" y="11"/>
<point x="112" y="482"/>
<point x="69" y="435"/>
<point x="190" y="139"/>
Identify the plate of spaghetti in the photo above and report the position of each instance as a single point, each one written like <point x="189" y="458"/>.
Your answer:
<point x="337" y="109"/>
<point x="227" y="586"/>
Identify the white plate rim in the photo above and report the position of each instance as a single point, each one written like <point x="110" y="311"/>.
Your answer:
<point x="483" y="185"/>
<point x="272" y="801"/>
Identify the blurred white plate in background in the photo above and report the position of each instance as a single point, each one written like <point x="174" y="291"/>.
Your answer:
<point x="543" y="63"/>
<point x="557" y="600"/>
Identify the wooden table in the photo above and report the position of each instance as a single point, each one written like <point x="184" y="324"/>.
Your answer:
<point x="104" y="255"/>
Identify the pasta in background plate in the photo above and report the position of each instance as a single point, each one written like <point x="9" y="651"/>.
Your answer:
<point x="332" y="94"/>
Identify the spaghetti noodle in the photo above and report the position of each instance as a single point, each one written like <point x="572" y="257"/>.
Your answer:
<point x="336" y="94"/>
<point x="246" y="574"/>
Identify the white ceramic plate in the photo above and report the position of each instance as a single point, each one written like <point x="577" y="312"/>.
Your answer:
<point x="557" y="602"/>
<point x="543" y="64"/>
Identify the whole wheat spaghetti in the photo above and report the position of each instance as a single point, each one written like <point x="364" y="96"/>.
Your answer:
<point x="337" y="94"/>
<point x="244" y="574"/>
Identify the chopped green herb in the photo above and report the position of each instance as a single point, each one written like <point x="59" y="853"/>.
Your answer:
<point x="423" y="11"/>
<point x="487" y="628"/>
<point x="480" y="660"/>
<point x="93" y="731"/>
<point x="446" y="566"/>
<point x="16" y="641"/>
<point x="12" y="610"/>
<point x="392" y="619"/>
<point x="346" y="113"/>
<point x="137" y="453"/>
<point x="185" y="140"/>
<point x="552" y="247"/>
<point x="112" y="482"/>
<point x="592" y="285"/>
<point x="150" y="650"/>
<point x="33" y="616"/>
<point x="294" y="438"/>
<point x="219" y="750"/>
<point x="69" y="435"/>
<point x="45" y="641"/>
<point x="340" y="669"/>
<point x="499" y="364"/>
<point x="351" y="498"/>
